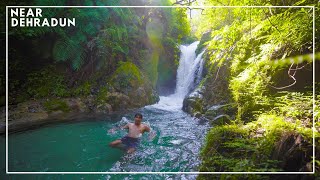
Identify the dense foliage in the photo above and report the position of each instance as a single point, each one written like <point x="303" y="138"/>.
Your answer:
<point x="268" y="54"/>
<point x="106" y="42"/>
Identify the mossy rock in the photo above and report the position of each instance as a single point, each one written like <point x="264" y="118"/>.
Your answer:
<point x="102" y="96"/>
<point x="126" y="77"/>
<point x="83" y="90"/>
<point x="217" y="110"/>
<point x="221" y="120"/>
<point x="194" y="102"/>
<point x="131" y="89"/>
<point x="205" y="38"/>
<point x="118" y="101"/>
<point x="154" y="97"/>
<point x="194" y="107"/>
<point x="104" y="108"/>
<point x="56" y="105"/>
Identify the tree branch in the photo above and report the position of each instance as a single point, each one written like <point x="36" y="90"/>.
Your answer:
<point x="291" y="76"/>
<point x="183" y="2"/>
<point x="217" y="74"/>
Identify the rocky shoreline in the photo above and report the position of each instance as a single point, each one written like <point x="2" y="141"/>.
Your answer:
<point x="35" y="113"/>
<point x="41" y="119"/>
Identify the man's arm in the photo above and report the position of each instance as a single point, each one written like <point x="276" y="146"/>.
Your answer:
<point x="152" y="133"/>
<point x="113" y="130"/>
<point x="147" y="128"/>
<point x="125" y="126"/>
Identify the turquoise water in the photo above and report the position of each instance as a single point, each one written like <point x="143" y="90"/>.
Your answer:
<point x="83" y="146"/>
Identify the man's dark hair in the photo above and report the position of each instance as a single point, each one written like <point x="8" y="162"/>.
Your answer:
<point x="138" y="115"/>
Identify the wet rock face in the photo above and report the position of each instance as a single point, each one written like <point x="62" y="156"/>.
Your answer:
<point x="27" y="111"/>
<point x="131" y="89"/>
<point x="104" y="108"/>
<point x="193" y="103"/>
<point x="221" y="120"/>
<point x="143" y="96"/>
<point x="294" y="153"/>
<point x="75" y="104"/>
<point x="205" y="38"/>
<point x="118" y="101"/>
<point x="217" y="110"/>
<point x="154" y="97"/>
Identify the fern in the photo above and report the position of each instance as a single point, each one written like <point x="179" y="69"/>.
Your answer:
<point x="69" y="50"/>
<point x="61" y="50"/>
<point x="78" y="61"/>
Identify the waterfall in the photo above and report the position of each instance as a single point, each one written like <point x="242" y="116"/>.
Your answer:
<point x="190" y="68"/>
<point x="189" y="75"/>
<point x="198" y="72"/>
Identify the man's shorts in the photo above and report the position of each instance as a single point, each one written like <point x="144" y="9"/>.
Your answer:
<point x="130" y="142"/>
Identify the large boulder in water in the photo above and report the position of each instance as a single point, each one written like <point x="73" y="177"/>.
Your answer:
<point x="193" y="103"/>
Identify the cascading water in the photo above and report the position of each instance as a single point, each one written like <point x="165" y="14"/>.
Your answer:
<point x="198" y="72"/>
<point x="189" y="74"/>
<point x="187" y="68"/>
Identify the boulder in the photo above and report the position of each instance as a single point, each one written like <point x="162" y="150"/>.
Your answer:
<point x="104" y="108"/>
<point x="154" y="97"/>
<point x="75" y="104"/>
<point x="216" y="110"/>
<point x="90" y="103"/>
<point x="30" y="106"/>
<point x="143" y="96"/>
<point x="294" y="153"/>
<point x="194" y="102"/>
<point x="204" y="38"/>
<point x="197" y="115"/>
<point x="118" y="101"/>
<point x="138" y="97"/>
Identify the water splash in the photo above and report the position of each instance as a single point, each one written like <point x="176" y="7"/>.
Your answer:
<point x="168" y="103"/>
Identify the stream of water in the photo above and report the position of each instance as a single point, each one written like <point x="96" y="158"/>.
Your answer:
<point x="83" y="146"/>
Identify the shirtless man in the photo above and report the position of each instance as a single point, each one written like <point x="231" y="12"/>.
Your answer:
<point x="131" y="140"/>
